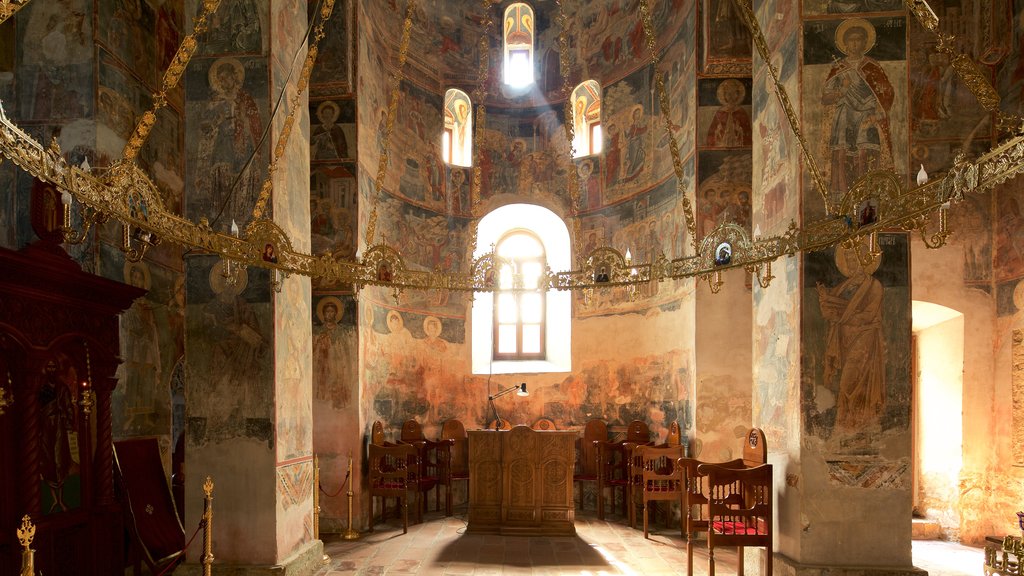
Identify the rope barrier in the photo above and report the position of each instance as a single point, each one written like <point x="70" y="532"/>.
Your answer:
<point x="172" y="565"/>
<point x="343" y="484"/>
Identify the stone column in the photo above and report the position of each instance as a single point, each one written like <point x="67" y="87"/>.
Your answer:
<point x="248" y="343"/>
<point x="831" y="336"/>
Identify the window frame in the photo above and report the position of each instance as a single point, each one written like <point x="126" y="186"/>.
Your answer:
<point x="518" y="292"/>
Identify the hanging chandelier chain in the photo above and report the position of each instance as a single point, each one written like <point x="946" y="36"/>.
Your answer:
<point x="572" y="180"/>
<point x="750" y="19"/>
<point x="396" y="83"/>
<point x="293" y="104"/>
<point x="170" y="80"/>
<point x="480" y="95"/>
<point x="673" y="145"/>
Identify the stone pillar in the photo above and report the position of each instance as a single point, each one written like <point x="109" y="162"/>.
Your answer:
<point x="831" y="335"/>
<point x="248" y="345"/>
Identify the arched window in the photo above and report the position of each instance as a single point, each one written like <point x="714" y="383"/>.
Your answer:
<point x="518" y="302"/>
<point x="522" y="329"/>
<point x="519" y="31"/>
<point x="586" y="118"/>
<point x="457" y="140"/>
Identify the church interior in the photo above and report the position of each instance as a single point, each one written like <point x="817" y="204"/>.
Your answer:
<point x="248" y="234"/>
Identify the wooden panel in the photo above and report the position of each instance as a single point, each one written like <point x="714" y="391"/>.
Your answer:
<point x="521" y="481"/>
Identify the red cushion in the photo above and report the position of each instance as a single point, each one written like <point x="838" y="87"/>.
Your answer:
<point x="730" y="528"/>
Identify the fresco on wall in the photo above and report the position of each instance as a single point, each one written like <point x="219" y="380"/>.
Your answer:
<point x="335" y="358"/>
<point x="726" y="41"/>
<point x="971" y="220"/>
<point x="1008" y="241"/>
<point x="151" y="341"/>
<point x="241" y="25"/>
<point x="851" y="6"/>
<point x="227" y="102"/>
<point x="856" y="317"/>
<point x="723" y="191"/>
<point x="1010" y="75"/>
<point x="332" y="73"/>
<point x="8" y="36"/>
<point x="332" y="129"/>
<point x="290" y="386"/>
<point x="860" y="66"/>
<point x="229" y="323"/>
<point x="55" y="65"/>
<point x="723" y="113"/>
<point x="332" y="200"/>
<point x="776" y="353"/>
<point x="122" y="29"/>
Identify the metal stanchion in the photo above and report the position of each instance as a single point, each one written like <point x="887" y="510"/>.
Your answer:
<point x="349" y="533"/>
<point x="25" y="535"/>
<point x="208" y="527"/>
<point x="316" y="505"/>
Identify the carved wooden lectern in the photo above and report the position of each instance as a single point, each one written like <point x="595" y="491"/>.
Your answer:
<point x="520" y="481"/>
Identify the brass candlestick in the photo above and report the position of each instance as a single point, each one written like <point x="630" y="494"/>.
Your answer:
<point x="25" y="535"/>
<point x="349" y="533"/>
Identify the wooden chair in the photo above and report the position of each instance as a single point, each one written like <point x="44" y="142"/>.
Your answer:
<point x="638" y="432"/>
<point x="613" y="473"/>
<point x="675" y="435"/>
<point x="393" y="473"/>
<point x="661" y="478"/>
<point x="377" y="434"/>
<point x="505" y="425"/>
<point x="434" y="465"/>
<point x="544" y="424"/>
<point x="587" y="462"/>
<point x="455" y="432"/>
<point x="739" y="511"/>
<point x="755" y="453"/>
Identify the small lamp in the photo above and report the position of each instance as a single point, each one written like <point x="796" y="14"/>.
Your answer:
<point x="519" y="389"/>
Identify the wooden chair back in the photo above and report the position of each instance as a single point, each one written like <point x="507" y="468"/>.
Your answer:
<point x="505" y="425"/>
<point x="675" y="435"/>
<point x="638" y="432"/>
<point x="411" y="432"/>
<point x="377" y="434"/>
<point x="613" y="472"/>
<point x="544" y="424"/>
<point x="661" y="477"/>
<point x="695" y="501"/>
<point x="755" y="448"/>
<point x="393" y="472"/>
<point x="739" y="510"/>
<point x="586" y="454"/>
<point x="455" y="431"/>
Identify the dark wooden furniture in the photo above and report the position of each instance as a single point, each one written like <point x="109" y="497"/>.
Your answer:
<point x="435" y="465"/>
<point x="520" y="482"/>
<point x="586" y="470"/>
<point x="739" y="511"/>
<point x="58" y="330"/>
<point x="661" y="478"/>
<point x="392" y="472"/>
<point x="454" y="431"/>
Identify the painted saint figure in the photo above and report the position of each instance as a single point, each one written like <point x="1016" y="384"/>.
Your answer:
<point x="328" y="140"/>
<point x="731" y="124"/>
<point x="636" y="155"/>
<point x="855" y="343"/>
<point x="333" y="354"/>
<point x="858" y="96"/>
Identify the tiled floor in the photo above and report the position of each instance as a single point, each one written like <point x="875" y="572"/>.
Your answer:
<point x="440" y="546"/>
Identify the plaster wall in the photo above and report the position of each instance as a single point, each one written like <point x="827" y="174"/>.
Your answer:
<point x="939" y="397"/>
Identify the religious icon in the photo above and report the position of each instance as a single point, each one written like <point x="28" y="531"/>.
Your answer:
<point x="269" y="254"/>
<point x="602" y="275"/>
<point x="868" y="212"/>
<point x="723" y="254"/>
<point x="384" y="272"/>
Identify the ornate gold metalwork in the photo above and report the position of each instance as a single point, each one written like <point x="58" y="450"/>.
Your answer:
<point x="9" y="7"/>
<point x="126" y="193"/>
<point x="6" y="394"/>
<point x="171" y="77"/>
<point x="663" y="101"/>
<point x="479" y="96"/>
<point x="572" y="180"/>
<point x="349" y="533"/>
<point x="207" y="559"/>
<point x="750" y="19"/>
<point x="396" y="83"/>
<point x="26" y="533"/>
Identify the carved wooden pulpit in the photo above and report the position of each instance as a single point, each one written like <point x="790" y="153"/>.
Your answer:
<point x="520" y="481"/>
